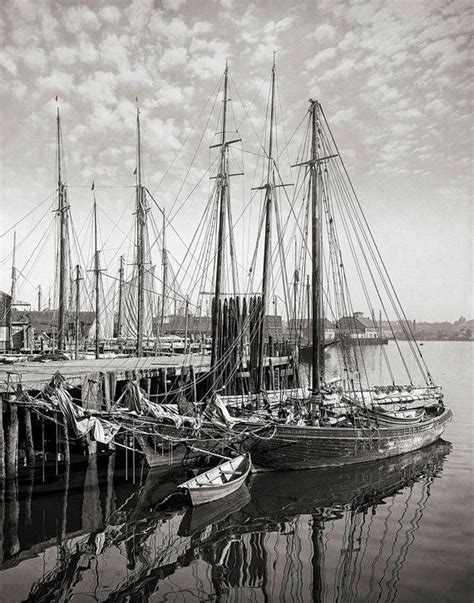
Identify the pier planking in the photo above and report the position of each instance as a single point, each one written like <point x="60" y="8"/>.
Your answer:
<point x="35" y="375"/>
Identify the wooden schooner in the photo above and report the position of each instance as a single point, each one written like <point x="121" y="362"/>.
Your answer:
<point x="336" y="421"/>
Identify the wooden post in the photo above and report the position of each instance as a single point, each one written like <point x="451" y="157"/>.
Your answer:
<point x="90" y="400"/>
<point x="110" y="498"/>
<point x="112" y="386"/>
<point x="67" y="452"/>
<point x="2" y="508"/>
<point x="148" y="386"/>
<point x="11" y="543"/>
<point x="193" y="377"/>
<point x="154" y="386"/>
<point x="2" y="442"/>
<point x="105" y="383"/>
<point x="63" y="530"/>
<point x="30" y="447"/>
<point x="11" y="440"/>
<point x="28" y="484"/>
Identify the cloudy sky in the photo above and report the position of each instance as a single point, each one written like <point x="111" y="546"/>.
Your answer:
<point x="394" y="77"/>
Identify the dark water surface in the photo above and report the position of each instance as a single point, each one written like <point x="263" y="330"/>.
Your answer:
<point x="395" y="530"/>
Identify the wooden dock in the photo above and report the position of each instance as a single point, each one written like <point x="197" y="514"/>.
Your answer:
<point x="35" y="375"/>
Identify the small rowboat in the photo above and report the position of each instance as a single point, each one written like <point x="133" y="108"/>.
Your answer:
<point x="400" y="417"/>
<point x="219" y="481"/>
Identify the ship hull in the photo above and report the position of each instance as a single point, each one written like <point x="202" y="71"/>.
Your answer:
<point x="292" y="447"/>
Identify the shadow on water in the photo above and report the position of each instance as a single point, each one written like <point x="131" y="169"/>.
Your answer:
<point x="337" y="534"/>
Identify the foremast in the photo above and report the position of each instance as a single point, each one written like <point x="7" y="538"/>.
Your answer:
<point x="268" y="186"/>
<point x="223" y="185"/>
<point x="63" y="241"/>
<point x="317" y="328"/>
<point x="96" y="280"/>
<point x="141" y="215"/>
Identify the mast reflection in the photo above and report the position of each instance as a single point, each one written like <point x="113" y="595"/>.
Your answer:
<point x="336" y="534"/>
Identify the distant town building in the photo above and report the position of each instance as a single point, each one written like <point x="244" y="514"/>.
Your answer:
<point x="302" y="327"/>
<point x="357" y="326"/>
<point x="5" y="315"/>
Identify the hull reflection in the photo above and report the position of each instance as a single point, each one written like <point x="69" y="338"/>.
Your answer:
<point x="313" y="535"/>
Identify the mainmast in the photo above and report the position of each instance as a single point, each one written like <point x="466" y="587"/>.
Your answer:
<point x="268" y="230"/>
<point x="141" y="219"/>
<point x="13" y="284"/>
<point x="63" y="217"/>
<point x="77" y="329"/>
<point x="12" y="290"/>
<point x="164" y="261"/>
<point x="223" y="184"/>
<point x="120" y="298"/>
<point x="97" y="280"/>
<point x="316" y="257"/>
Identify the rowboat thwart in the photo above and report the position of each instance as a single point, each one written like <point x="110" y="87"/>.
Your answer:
<point x="218" y="482"/>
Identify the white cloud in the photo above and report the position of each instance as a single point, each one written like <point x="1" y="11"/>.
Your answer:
<point x="343" y="116"/>
<point x="161" y="135"/>
<point x="27" y="9"/>
<point x="174" y="31"/>
<point x="173" y="95"/>
<point x="114" y="50"/>
<point x="139" y="13"/>
<point x="343" y="69"/>
<point x="135" y="76"/>
<point x="173" y="57"/>
<point x="173" y="4"/>
<point x="436" y="106"/>
<point x="81" y="18"/>
<point x="57" y="81"/>
<point x="205" y="66"/>
<point x="320" y="57"/>
<point x="7" y="62"/>
<point x="323" y="33"/>
<point x="100" y="87"/>
<point x="88" y="53"/>
<point x="49" y="26"/>
<point x="34" y="58"/>
<point x="201" y="27"/>
<point x="65" y="55"/>
<point x="110" y="14"/>
<point x="272" y="27"/>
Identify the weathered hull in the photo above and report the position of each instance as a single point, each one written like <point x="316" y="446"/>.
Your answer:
<point x="293" y="447"/>
<point x="286" y="447"/>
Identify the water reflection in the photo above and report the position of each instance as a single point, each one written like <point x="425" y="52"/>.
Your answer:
<point x="322" y="535"/>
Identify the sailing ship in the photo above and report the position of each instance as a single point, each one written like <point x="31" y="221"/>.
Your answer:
<point x="333" y="422"/>
<point x="285" y="421"/>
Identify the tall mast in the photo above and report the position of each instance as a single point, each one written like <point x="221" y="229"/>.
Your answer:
<point x="223" y="183"/>
<point x="141" y="217"/>
<point x="164" y="261"/>
<point x="268" y="230"/>
<point x="96" y="280"/>
<point x="13" y="285"/>
<point x="316" y="259"/>
<point x="62" y="212"/>
<point x="77" y="328"/>
<point x="120" y="297"/>
<point x="39" y="298"/>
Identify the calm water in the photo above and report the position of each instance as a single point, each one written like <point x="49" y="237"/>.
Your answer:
<point x="397" y="530"/>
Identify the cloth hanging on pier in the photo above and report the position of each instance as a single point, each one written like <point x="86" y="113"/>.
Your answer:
<point x="102" y="431"/>
<point x="135" y="400"/>
<point x="218" y="410"/>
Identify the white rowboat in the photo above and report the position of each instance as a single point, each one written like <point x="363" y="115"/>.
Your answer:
<point x="218" y="482"/>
